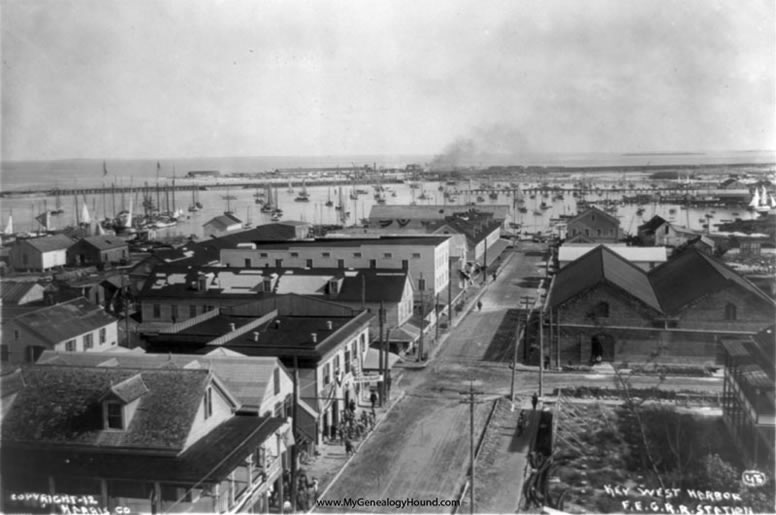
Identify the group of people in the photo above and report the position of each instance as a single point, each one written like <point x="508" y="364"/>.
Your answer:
<point x="306" y="492"/>
<point x="352" y="427"/>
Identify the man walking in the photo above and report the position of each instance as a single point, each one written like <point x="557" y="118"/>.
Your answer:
<point x="534" y="400"/>
<point x="479" y="305"/>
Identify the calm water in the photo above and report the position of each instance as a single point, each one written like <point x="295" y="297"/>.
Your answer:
<point x="20" y="175"/>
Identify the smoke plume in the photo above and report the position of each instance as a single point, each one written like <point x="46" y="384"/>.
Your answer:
<point x="492" y="144"/>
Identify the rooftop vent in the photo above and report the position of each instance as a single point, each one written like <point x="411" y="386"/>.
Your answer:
<point x="277" y="324"/>
<point x="314" y="337"/>
<point x="255" y="336"/>
<point x="329" y="325"/>
<point x="232" y="326"/>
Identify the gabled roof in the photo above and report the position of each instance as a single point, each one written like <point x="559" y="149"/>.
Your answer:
<point x="246" y="377"/>
<point x="225" y="220"/>
<point x="632" y="254"/>
<point x="104" y="242"/>
<point x="129" y="389"/>
<point x="652" y="224"/>
<point x="66" y="320"/>
<point x="13" y="291"/>
<point x="692" y="274"/>
<point x="602" y="265"/>
<point x="50" y="243"/>
<point x="62" y="405"/>
<point x="593" y="209"/>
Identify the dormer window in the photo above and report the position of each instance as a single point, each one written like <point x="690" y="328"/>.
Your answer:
<point x="113" y="415"/>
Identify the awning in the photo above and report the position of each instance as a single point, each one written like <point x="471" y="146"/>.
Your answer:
<point x="406" y="333"/>
<point x="307" y="421"/>
<point x="372" y="360"/>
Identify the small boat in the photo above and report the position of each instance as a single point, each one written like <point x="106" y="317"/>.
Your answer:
<point x="329" y="203"/>
<point x="303" y="195"/>
<point x="275" y="217"/>
<point x="538" y="212"/>
<point x="544" y="205"/>
<point x="640" y="211"/>
<point x="672" y="211"/>
<point x="290" y="188"/>
<point x="523" y="210"/>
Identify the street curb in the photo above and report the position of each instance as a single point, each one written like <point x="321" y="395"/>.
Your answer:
<point x="350" y="458"/>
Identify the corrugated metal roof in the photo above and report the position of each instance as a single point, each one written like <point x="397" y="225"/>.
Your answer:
<point x="641" y="254"/>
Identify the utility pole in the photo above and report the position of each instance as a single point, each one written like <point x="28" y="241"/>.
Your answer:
<point x="526" y="300"/>
<point x="541" y="350"/>
<point x="436" y="314"/>
<point x="514" y="362"/>
<point x="387" y="370"/>
<point x="449" y="294"/>
<point x="422" y="318"/>
<point x="470" y="401"/>
<point x="381" y="320"/>
<point x="293" y="432"/>
<point x="125" y="289"/>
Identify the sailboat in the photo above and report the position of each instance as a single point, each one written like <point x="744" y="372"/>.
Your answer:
<point x="329" y="203"/>
<point x="303" y="195"/>
<point x="762" y="201"/>
<point x="195" y="206"/>
<point x="269" y="204"/>
<point x="124" y="219"/>
<point x="58" y="210"/>
<point x="290" y="188"/>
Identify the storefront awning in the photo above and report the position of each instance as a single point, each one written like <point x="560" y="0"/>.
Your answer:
<point x="372" y="360"/>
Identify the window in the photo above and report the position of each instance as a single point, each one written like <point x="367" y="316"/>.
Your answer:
<point x="336" y="364"/>
<point x="70" y="345"/>
<point x="276" y="380"/>
<point x="598" y="232"/>
<point x="157" y="311"/>
<point x="416" y="255"/>
<point x="340" y="263"/>
<point x="247" y="262"/>
<point x="208" y="402"/>
<point x="309" y="263"/>
<point x="15" y="334"/>
<point x="263" y="254"/>
<point x="326" y="374"/>
<point x="405" y="264"/>
<point x="295" y="254"/>
<point x="192" y="311"/>
<point x="730" y="312"/>
<point x="387" y="255"/>
<point x="278" y="263"/>
<point x="88" y="341"/>
<point x="347" y="359"/>
<point x="601" y="310"/>
<point x="3" y="352"/>
<point x="421" y="284"/>
<point x="326" y="254"/>
<point x="356" y="254"/>
<point x="372" y="263"/>
<point x="174" y="312"/>
<point x="103" y="335"/>
<point x="114" y="415"/>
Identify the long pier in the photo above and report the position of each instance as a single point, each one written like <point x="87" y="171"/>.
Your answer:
<point x="506" y="190"/>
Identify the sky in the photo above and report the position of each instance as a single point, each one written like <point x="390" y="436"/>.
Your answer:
<point x="173" y="78"/>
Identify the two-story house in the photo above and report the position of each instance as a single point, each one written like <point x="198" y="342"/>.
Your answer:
<point x="426" y="258"/>
<point x="593" y="225"/>
<point x="73" y="326"/>
<point x="129" y="439"/>
<point x="327" y="351"/>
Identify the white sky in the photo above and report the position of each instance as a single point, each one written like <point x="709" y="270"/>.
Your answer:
<point x="156" y="78"/>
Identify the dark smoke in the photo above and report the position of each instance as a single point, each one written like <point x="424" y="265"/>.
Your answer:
<point x="493" y="144"/>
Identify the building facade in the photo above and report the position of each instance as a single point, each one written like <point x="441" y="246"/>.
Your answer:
<point x="40" y="254"/>
<point x="594" y="225"/>
<point x="73" y="326"/>
<point x="98" y="250"/>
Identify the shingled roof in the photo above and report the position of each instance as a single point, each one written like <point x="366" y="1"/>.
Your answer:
<point x="691" y="275"/>
<point x="602" y="265"/>
<point x="62" y="405"/>
<point x="50" y="243"/>
<point x="66" y="320"/>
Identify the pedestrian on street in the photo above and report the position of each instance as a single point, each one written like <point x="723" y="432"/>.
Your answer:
<point x="352" y="406"/>
<point x="373" y="399"/>
<point x="349" y="447"/>
<point x="479" y="305"/>
<point x="534" y="400"/>
<point x="494" y="276"/>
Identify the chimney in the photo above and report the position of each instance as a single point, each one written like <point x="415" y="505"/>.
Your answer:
<point x="329" y="325"/>
<point x="314" y="337"/>
<point x="255" y="336"/>
<point x="232" y="326"/>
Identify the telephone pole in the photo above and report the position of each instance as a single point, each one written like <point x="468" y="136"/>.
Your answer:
<point x="382" y="365"/>
<point x="471" y="402"/>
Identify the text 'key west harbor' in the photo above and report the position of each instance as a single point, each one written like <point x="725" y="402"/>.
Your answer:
<point x="388" y="258"/>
